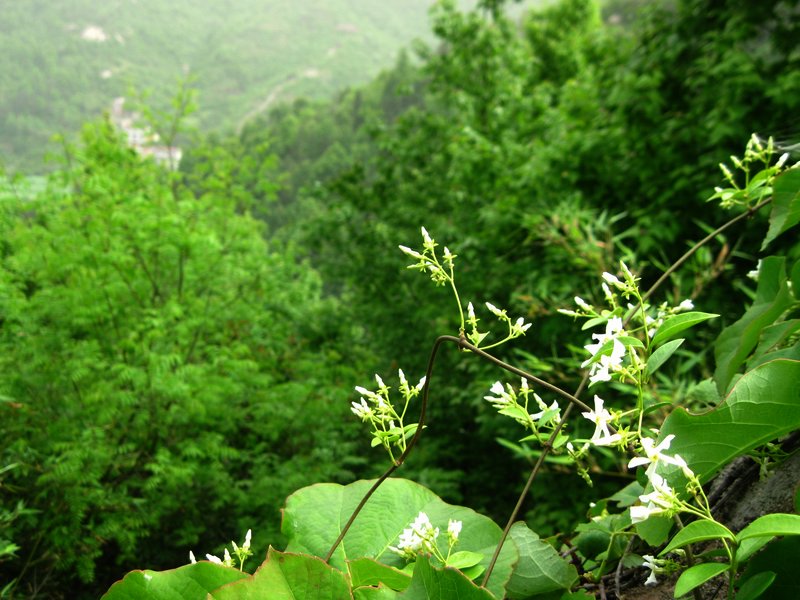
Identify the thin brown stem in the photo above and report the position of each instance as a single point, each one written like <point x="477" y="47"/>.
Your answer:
<point x="689" y="253"/>
<point x="396" y="465"/>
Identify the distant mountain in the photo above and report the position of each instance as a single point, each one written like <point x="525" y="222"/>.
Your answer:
<point x="63" y="62"/>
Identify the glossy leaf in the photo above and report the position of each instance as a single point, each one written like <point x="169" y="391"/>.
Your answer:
<point x="698" y="575"/>
<point x="780" y="558"/>
<point x="432" y="583"/>
<point x="315" y="515"/>
<point x="662" y="355"/>
<point x="785" y="205"/>
<point x="191" y="582"/>
<point x="369" y="572"/>
<point x="774" y="524"/>
<point x="672" y="326"/>
<point x="697" y="532"/>
<point x="285" y="576"/>
<point x="753" y="588"/>
<point x="737" y="341"/>
<point x="763" y="405"/>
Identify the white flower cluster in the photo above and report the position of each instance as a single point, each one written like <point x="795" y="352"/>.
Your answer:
<point x="428" y="262"/>
<point x="663" y="499"/>
<point x="601" y="418"/>
<point x="241" y="552"/>
<point x="376" y="408"/>
<point x="421" y="536"/>
<point x="602" y="362"/>
<point x="507" y="402"/>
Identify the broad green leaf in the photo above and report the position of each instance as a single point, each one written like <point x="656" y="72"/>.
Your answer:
<point x="285" y="576"/>
<point x="753" y="588"/>
<point x="771" y="337"/>
<point x="749" y="547"/>
<point x="785" y="205"/>
<point x="314" y="517"/>
<point x="655" y="530"/>
<point x="779" y="557"/>
<point x="794" y="276"/>
<point x="698" y="575"/>
<point x="540" y="569"/>
<point x="774" y="524"/>
<point x="661" y="355"/>
<point x="697" y="532"/>
<point x="375" y="593"/>
<point x="432" y="583"/>
<point x="677" y="323"/>
<point x="763" y="405"/>
<point x="735" y="343"/>
<point x="185" y="583"/>
<point x="366" y="571"/>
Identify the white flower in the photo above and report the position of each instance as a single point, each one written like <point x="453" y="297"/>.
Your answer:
<point x="607" y="292"/>
<point x="247" y="537"/>
<point x="655" y="455"/>
<point x="650" y="563"/>
<point x="611" y="279"/>
<point x="471" y="312"/>
<point x="544" y="407"/>
<point x="411" y="253"/>
<point x="782" y="160"/>
<point x="601" y="417"/>
<point x="361" y="410"/>
<point x="421" y="535"/>
<point x="227" y="561"/>
<point x="502" y="398"/>
<point x="214" y="559"/>
<point x="686" y="305"/>
<point x="421" y="383"/>
<point x="520" y="327"/>
<point x="583" y="304"/>
<point x="426" y="237"/>
<point x="192" y="559"/>
<point x="494" y="310"/>
<point x="602" y="368"/>
<point x="454" y="529"/>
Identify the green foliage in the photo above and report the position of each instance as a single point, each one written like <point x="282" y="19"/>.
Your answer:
<point x="156" y="352"/>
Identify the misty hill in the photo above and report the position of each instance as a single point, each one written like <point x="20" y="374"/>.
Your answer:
<point x="62" y="63"/>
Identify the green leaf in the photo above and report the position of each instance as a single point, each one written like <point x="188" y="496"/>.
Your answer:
<point x="672" y="326"/>
<point x="755" y="586"/>
<point x="779" y="557"/>
<point x="464" y="559"/>
<point x="655" y="529"/>
<point x="285" y="576"/>
<point x="763" y="405"/>
<point x="314" y="516"/>
<point x="735" y="343"/>
<point x="369" y="572"/>
<point x="540" y="569"/>
<point x="794" y="276"/>
<point x="785" y="205"/>
<point x="774" y="524"/>
<point x="432" y="583"/>
<point x="661" y="355"/>
<point x="185" y="583"/>
<point x="697" y="532"/>
<point x="628" y="495"/>
<point x="698" y="575"/>
<point x="375" y="593"/>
